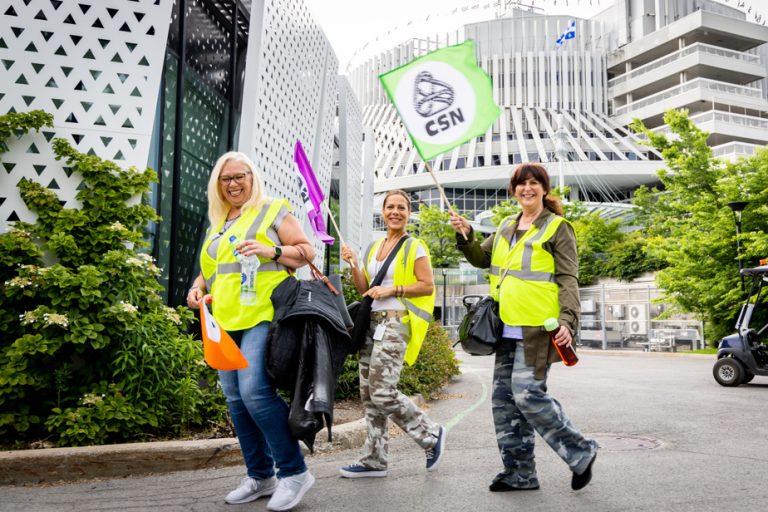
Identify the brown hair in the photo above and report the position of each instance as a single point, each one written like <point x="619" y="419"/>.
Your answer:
<point x="536" y="171"/>
<point x="397" y="192"/>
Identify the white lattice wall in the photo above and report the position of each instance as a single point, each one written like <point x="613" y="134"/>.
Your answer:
<point x="353" y="217"/>
<point x="290" y="93"/>
<point x="95" y="65"/>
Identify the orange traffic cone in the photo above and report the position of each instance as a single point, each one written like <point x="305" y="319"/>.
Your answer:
<point x="220" y="351"/>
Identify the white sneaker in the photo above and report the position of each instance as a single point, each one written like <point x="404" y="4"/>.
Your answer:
<point x="290" y="490"/>
<point x="251" y="489"/>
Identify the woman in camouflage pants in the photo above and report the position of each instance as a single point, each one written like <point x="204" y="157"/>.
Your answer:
<point x="534" y="272"/>
<point x="401" y="312"/>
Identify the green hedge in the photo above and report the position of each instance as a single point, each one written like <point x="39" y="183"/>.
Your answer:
<point x="90" y="354"/>
<point x="435" y="366"/>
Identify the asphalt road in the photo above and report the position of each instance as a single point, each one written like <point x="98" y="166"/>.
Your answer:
<point x="672" y="440"/>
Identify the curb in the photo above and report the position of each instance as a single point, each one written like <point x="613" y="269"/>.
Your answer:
<point x="58" y="465"/>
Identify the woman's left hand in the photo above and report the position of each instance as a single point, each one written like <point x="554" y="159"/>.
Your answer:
<point x="252" y="247"/>
<point x="379" y="292"/>
<point x="563" y="337"/>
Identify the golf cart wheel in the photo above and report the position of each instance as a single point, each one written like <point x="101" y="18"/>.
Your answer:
<point x="728" y="372"/>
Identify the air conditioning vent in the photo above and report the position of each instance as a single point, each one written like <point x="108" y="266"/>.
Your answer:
<point x="638" y="318"/>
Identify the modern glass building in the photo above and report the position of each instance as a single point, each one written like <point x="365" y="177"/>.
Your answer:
<point x="172" y="84"/>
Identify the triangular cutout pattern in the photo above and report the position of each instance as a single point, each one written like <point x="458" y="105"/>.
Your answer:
<point x="54" y="54"/>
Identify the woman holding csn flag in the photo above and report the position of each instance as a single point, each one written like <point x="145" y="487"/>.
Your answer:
<point x="246" y="224"/>
<point x="400" y="315"/>
<point x="534" y="276"/>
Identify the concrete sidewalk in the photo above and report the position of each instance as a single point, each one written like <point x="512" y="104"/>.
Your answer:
<point x="51" y="465"/>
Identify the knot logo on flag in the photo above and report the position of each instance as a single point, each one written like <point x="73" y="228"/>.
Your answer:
<point x="431" y="96"/>
<point x="441" y="108"/>
<point x="444" y="98"/>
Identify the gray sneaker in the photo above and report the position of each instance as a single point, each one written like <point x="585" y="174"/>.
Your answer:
<point x="290" y="490"/>
<point x="251" y="489"/>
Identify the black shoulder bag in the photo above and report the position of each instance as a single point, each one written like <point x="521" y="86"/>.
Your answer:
<point x="362" y="309"/>
<point x="480" y="329"/>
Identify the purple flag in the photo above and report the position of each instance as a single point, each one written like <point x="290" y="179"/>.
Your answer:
<point x="311" y="194"/>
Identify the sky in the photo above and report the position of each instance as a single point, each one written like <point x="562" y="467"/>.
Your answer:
<point x="353" y="26"/>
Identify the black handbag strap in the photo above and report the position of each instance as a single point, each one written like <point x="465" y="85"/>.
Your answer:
<point x="383" y="270"/>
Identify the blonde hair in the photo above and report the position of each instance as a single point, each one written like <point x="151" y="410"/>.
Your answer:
<point x="218" y="207"/>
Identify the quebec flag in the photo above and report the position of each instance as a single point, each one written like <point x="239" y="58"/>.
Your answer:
<point x="569" y="33"/>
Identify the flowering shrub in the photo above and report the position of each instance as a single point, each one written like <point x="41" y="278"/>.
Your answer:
<point x="90" y="354"/>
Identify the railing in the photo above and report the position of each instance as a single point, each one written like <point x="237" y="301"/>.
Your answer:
<point x="726" y="117"/>
<point x="679" y="54"/>
<point x="695" y="84"/>
<point x="735" y="149"/>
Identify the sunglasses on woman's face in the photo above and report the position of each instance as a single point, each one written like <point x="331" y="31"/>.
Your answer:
<point x="237" y="178"/>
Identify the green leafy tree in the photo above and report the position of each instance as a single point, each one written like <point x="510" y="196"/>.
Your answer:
<point x="595" y="237"/>
<point x="630" y="257"/>
<point x="90" y="354"/>
<point x="435" y="229"/>
<point x="691" y="228"/>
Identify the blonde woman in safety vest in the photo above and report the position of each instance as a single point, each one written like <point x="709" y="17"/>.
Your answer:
<point x="400" y="315"/>
<point x="534" y="272"/>
<point x="238" y="206"/>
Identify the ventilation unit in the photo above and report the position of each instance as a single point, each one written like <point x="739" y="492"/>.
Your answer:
<point x="637" y="318"/>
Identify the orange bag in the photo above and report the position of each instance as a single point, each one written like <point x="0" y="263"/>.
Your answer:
<point x="220" y="351"/>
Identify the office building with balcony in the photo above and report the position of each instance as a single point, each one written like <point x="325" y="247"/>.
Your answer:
<point x="569" y="106"/>
<point x="702" y="56"/>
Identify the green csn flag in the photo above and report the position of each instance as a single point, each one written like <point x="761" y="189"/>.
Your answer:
<point x="444" y="98"/>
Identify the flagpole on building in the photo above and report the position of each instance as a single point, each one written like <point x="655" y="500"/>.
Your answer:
<point x="442" y="194"/>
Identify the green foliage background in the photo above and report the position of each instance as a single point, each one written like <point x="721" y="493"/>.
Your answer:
<point x="690" y="227"/>
<point x="90" y="353"/>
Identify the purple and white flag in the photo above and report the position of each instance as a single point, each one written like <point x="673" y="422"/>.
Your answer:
<point x="311" y="194"/>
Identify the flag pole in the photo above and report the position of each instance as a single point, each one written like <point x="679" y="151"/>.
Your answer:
<point x="333" y="221"/>
<point x="442" y="194"/>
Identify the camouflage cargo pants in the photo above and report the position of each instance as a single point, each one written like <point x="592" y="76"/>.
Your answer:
<point x="521" y="405"/>
<point x="380" y="365"/>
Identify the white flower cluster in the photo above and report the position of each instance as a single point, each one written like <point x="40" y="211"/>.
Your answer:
<point x="92" y="399"/>
<point x="172" y="315"/>
<point x="128" y="308"/>
<point x="29" y="317"/>
<point x="20" y="282"/>
<point x="55" y="319"/>
<point x="144" y="261"/>
<point x="117" y="226"/>
<point x="49" y="319"/>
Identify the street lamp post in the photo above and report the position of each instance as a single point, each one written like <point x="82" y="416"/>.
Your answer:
<point x="443" y="315"/>
<point x="737" y="207"/>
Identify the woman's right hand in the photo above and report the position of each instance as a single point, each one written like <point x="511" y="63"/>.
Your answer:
<point x="348" y="255"/>
<point x="194" y="297"/>
<point x="459" y="223"/>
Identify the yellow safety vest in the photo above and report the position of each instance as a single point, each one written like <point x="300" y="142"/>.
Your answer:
<point x="419" y="309"/>
<point x="528" y="294"/>
<point x="223" y="274"/>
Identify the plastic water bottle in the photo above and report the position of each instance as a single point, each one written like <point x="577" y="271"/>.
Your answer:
<point x="567" y="354"/>
<point x="249" y="266"/>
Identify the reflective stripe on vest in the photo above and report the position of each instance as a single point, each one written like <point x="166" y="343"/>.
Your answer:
<point x="223" y="274"/>
<point x="419" y="308"/>
<point x="523" y="276"/>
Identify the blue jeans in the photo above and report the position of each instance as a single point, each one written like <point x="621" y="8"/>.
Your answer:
<point x="259" y="414"/>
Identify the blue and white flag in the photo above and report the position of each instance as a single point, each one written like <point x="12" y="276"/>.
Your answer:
<point x="569" y="33"/>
